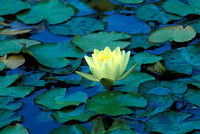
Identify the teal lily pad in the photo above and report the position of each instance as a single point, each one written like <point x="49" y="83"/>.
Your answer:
<point x="172" y="33"/>
<point x="12" y="6"/>
<point x="7" y="80"/>
<point x="183" y="60"/>
<point x="100" y="40"/>
<point x="151" y="12"/>
<point x="49" y="10"/>
<point x="77" y="26"/>
<point x="180" y="8"/>
<point x="56" y="98"/>
<point x="131" y="1"/>
<point x="172" y="122"/>
<point x="79" y="114"/>
<point x="192" y="96"/>
<point x="2" y="66"/>
<point x="194" y="80"/>
<point x="7" y="102"/>
<point x="8" y="117"/>
<point x="16" y="91"/>
<point x="127" y="24"/>
<point x="196" y="26"/>
<point x="15" y="129"/>
<point x="115" y="103"/>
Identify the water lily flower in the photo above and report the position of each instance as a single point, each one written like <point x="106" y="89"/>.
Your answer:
<point x="107" y="66"/>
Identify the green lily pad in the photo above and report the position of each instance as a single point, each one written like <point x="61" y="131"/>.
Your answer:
<point x="172" y="122"/>
<point x="7" y="102"/>
<point x="79" y="114"/>
<point x="77" y="26"/>
<point x="55" y="98"/>
<point x="192" y="96"/>
<point x="115" y="103"/>
<point x="180" y="8"/>
<point x="131" y="83"/>
<point x="100" y="40"/>
<point x="183" y="60"/>
<point x="7" y="80"/>
<point x="16" y="91"/>
<point x="2" y="66"/>
<point x="122" y="131"/>
<point x="141" y="40"/>
<point x="196" y="26"/>
<point x="172" y="33"/>
<point x="7" y="6"/>
<point x="49" y="10"/>
<point x="131" y="1"/>
<point x="151" y="12"/>
<point x="53" y="55"/>
<point x="194" y="80"/>
<point x="14" y="129"/>
<point x="76" y="129"/>
<point x="8" y="117"/>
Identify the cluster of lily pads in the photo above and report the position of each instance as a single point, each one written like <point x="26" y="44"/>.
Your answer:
<point x="161" y="95"/>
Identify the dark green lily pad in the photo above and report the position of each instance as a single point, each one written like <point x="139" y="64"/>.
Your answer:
<point x="194" y="80"/>
<point x="2" y="66"/>
<point x="115" y="103"/>
<point x="122" y="131"/>
<point x="7" y="80"/>
<point x="132" y="82"/>
<point x="49" y="10"/>
<point x="14" y="129"/>
<point x="8" y="117"/>
<point x="100" y="40"/>
<point x="77" y="26"/>
<point x="7" y="102"/>
<point x="79" y="114"/>
<point x="127" y="24"/>
<point x="180" y="8"/>
<point x="131" y="1"/>
<point x="172" y="122"/>
<point x="172" y="33"/>
<point x="192" y="96"/>
<point x="76" y="129"/>
<point x="12" y="6"/>
<point x="151" y="12"/>
<point x="55" y="98"/>
<point x="16" y="91"/>
<point x="53" y="55"/>
<point x="196" y="26"/>
<point x="183" y="60"/>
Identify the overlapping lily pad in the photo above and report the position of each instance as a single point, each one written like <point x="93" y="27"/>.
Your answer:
<point x="192" y="96"/>
<point x="49" y="10"/>
<point x="183" y="60"/>
<point x="131" y="1"/>
<point x="100" y="40"/>
<point x="17" y="129"/>
<point x="7" y="102"/>
<point x="77" y="26"/>
<point x="7" y="80"/>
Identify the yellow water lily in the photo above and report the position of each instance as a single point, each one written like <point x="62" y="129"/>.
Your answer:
<point x="108" y="66"/>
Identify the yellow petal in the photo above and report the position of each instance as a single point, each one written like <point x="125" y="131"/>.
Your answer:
<point x="98" y="74"/>
<point x="125" y="62"/>
<point x="87" y="76"/>
<point x="89" y="61"/>
<point x="116" y="72"/>
<point x="107" y="71"/>
<point x="127" y="73"/>
<point x="117" y="51"/>
<point x="96" y="52"/>
<point x="107" y="51"/>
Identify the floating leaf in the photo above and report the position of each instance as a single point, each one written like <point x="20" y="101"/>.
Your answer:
<point x="196" y="26"/>
<point x="172" y="33"/>
<point x="115" y="103"/>
<point x="14" y="31"/>
<point x="100" y="40"/>
<point x="7" y="102"/>
<point x="194" y="80"/>
<point x="7" y="80"/>
<point x="76" y="129"/>
<point x="157" y="68"/>
<point x="77" y="26"/>
<point x="2" y="66"/>
<point x="192" y="96"/>
<point x="131" y="1"/>
<point x="49" y="10"/>
<point x="172" y="122"/>
<point x="151" y="12"/>
<point x="183" y="60"/>
<point x="7" y="6"/>
<point x="180" y="8"/>
<point x="13" y="61"/>
<point x="14" y="129"/>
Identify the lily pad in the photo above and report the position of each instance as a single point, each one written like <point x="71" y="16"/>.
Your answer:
<point x="115" y="103"/>
<point x="8" y="117"/>
<point x="172" y="33"/>
<point x="194" y="80"/>
<point x="16" y="91"/>
<point x="14" y="31"/>
<point x="77" y="26"/>
<point x="151" y="12"/>
<point x="127" y="24"/>
<point x="122" y="131"/>
<point x="2" y="66"/>
<point x="7" y="80"/>
<point x="14" y="129"/>
<point x="7" y="6"/>
<point x="172" y="122"/>
<point x="79" y="114"/>
<point x="49" y="10"/>
<point x="131" y="1"/>
<point x="7" y="102"/>
<point x="100" y="40"/>
<point x="183" y="60"/>
<point x="180" y="8"/>
<point x="76" y="129"/>
<point x="192" y="96"/>
<point x="196" y="26"/>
